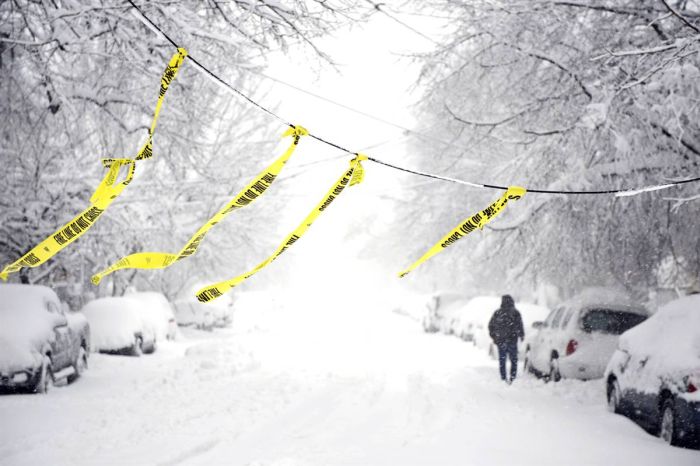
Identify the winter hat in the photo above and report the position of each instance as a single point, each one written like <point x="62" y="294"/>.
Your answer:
<point x="507" y="301"/>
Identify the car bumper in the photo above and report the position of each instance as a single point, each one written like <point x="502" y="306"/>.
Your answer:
<point x="573" y="368"/>
<point x="19" y="379"/>
<point x="688" y="421"/>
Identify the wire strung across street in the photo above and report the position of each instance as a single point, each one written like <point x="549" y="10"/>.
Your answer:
<point x="221" y="82"/>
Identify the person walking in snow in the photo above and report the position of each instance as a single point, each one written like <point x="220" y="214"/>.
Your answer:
<point x="505" y="328"/>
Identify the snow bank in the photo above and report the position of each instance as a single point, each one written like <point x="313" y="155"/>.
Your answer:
<point x="221" y="355"/>
<point x="25" y="324"/>
<point x="113" y="322"/>
<point x="671" y="339"/>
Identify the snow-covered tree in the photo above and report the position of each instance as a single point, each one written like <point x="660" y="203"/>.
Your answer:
<point x="79" y="80"/>
<point x="567" y="95"/>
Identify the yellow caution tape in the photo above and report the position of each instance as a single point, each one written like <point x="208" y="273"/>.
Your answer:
<point x="104" y="195"/>
<point x="254" y="189"/>
<point x="470" y="224"/>
<point x="354" y="175"/>
<point x="168" y="77"/>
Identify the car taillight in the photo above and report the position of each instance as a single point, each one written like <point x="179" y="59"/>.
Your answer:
<point x="571" y="347"/>
<point x="692" y="382"/>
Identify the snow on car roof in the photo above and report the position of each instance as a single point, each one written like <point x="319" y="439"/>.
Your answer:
<point x="14" y="297"/>
<point x="673" y="332"/>
<point x="605" y="297"/>
<point x="153" y="299"/>
<point x="113" y="321"/>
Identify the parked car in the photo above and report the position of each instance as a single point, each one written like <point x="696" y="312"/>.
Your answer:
<point x="157" y="309"/>
<point x="654" y="376"/>
<point x="204" y="316"/>
<point x="120" y="325"/>
<point x="442" y="312"/>
<point x="474" y="316"/>
<point x="194" y="314"/>
<point x="39" y="341"/>
<point x="578" y="338"/>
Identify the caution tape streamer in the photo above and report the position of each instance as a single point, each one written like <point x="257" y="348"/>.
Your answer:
<point x="106" y="192"/>
<point x="168" y="77"/>
<point x="470" y="224"/>
<point x="256" y="188"/>
<point x="354" y="175"/>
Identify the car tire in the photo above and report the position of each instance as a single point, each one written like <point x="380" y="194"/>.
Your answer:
<point x="668" y="427"/>
<point x="80" y="365"/>
<point x="614" y="395"/>
<point x="137" y="347"/>
<point x="152" y="348"/>
<point x="554" y="374"/>
<point x="45" y="380"/>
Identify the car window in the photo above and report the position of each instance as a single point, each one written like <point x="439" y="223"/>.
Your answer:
<point x="550" y="317"/>
<point x="610" y="321"/>
<point x="557" y="317"/>
<point x="567" y="318"/>
<point x="52" y="307"/>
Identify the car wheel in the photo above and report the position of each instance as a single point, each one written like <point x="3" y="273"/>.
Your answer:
<point x="80" y="364"/>
<point x="554" y="374"/>
<point x="668" y="430"/>
<point x="613" y="396"/>
<point x="152" y="348"/>
<point x="45" y="382"/>
<point x="137" y="347"/>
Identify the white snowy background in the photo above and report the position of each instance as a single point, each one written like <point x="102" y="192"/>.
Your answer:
<point x="317" y="368"/>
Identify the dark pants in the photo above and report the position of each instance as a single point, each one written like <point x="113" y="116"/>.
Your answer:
<point x="508" y="349"/>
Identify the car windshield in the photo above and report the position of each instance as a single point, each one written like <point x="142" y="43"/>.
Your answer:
<point x="610" y="321"/>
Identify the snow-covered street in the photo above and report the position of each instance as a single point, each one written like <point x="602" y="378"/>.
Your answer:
<point x="287" y="386"/>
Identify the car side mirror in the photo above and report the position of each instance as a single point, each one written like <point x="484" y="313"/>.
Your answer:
<point x="538" y="325"/>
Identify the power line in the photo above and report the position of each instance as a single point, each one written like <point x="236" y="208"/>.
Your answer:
<point x="219" y="81"/>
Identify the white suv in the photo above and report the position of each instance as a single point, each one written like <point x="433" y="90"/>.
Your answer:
<point x="579" y="337"/>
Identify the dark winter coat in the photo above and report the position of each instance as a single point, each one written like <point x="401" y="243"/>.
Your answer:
<point x="506" y="324"/>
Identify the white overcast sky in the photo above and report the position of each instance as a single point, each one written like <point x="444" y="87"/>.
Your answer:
<point x="373" y="75"/>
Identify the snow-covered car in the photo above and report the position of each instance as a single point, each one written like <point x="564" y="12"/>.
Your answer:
<point x="474" y="316"/>
<point x="204" y="316"/>
<point x="39" y="341"/>
<point x="443" y="309"/>
<point x="654" y="376"/>
<point x="194" y="314"/>
<point x="118" y="325"/>
<point x="578" y="338"/>
<point x="157" y="310"/>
